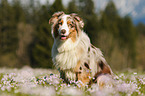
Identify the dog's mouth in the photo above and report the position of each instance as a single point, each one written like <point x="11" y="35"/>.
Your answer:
<point x="63" y="37"/>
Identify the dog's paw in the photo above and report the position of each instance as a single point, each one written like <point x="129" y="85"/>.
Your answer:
<point x="105" y="80"/>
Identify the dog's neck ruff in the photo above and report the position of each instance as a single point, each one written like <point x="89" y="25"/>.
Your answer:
<point x="66" y="55"/>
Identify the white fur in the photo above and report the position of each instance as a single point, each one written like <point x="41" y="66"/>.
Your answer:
<point x="64" y="25"/>
<point x="66" y="55"/>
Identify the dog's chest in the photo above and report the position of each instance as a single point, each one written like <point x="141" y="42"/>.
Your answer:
<point x="69" y="59"/>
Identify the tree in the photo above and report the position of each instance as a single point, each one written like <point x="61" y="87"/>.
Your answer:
<point x="72" y="8"/>
<point x="40" y="49"/>
<point x="87" y="7"/>
<point x="129" y="39"/>
<point x="25" y="37"/>
<point x="140" y="28"/>
<point x="121" y="29"/>
<point x="140" y="46"/>
<point x="109" y="19"/>
<point x="11" y="15"/>
<point x="87" y="11"/>
<point x="56" y="6"/>
<point x="8" y="33"/>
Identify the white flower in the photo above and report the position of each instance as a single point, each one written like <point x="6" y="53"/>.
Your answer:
<point x="72" y="91"/>
<point x="127" y="88"/>
<point x="3" y="88"/>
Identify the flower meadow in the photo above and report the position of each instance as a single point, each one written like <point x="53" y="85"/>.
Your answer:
<point x="46" y="82"/>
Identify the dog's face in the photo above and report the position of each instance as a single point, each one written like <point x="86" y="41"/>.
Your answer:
<point x="66" y="27"/>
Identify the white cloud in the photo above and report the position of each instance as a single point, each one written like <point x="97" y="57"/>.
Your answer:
<point x="134" y="8"/>
<point x="45" y="1"/>
<point x="100" y="4"/>
<point x="65" y="2"/>
<point x="134" y="14"/>
<point x="143" y="10"/>
<point x="126" y="6"/>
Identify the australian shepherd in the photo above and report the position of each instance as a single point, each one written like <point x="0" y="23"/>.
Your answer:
<point x="72" y="53"/>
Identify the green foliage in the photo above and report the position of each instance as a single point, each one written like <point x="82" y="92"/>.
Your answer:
<point x="9" y="60"/>
<point x="72" y="8"/>
<point x="141" y="29"/>
<point x="8" y="31"/>
<point x="87" y="7"/>
<point x="56" y="6"/>
<point x="130" y="40"/>
<point x="140" y="46"/>
<point x="40" y="49"/>
<point x="122" y="30"/>
<point x="109" y="20"/>
<point x="87" y="11"/>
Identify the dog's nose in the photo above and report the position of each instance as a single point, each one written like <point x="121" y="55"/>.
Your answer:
<point x="63" y="31"/>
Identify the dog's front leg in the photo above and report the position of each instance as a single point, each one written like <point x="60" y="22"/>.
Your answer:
<point x="67" y="75"/>
<point x="84" y="77"/>
<point x="82" y="74"/>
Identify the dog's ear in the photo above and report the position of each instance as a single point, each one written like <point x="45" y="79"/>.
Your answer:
<point x="55" y="16"/>
<point x="105" y="68"/>
<point x="78" y="19"/>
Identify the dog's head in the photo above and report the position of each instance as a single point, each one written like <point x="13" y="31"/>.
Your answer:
<point x="66" y="26"/>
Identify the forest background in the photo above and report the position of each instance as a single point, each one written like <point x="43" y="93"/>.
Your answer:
<point x="25" y="34"/>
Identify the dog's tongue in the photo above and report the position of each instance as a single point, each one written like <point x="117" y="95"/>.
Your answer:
<point x="63" y="38"/>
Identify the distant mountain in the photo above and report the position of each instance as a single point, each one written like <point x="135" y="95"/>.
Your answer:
<point x="136" y="21"/>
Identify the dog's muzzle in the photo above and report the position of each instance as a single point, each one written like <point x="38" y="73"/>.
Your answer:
<point x="63" y="36"/>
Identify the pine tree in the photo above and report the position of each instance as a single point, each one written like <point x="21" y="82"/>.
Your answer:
<point x="129" y="39"/>
<point x="140" y="28"/>
<point x="121" y="29"/>
<point x="72" y="8"/>
<point x="109" y="19"/>
<point x="40" y="49"/>
<point x="87" y="11"/>
<point x="8" y="33"/>
<point x="56" y="6"/>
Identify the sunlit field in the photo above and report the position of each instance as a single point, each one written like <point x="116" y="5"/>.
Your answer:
<point x="46" y="82"/>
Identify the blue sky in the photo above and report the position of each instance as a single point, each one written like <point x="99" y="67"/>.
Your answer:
<point x="133" y="8"/>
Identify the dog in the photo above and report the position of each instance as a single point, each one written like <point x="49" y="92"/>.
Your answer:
<point x="72" y="52"/>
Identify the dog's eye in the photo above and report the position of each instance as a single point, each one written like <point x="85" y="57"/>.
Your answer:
<point x="71" y="25"/>
<point x="60" y="23"/>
